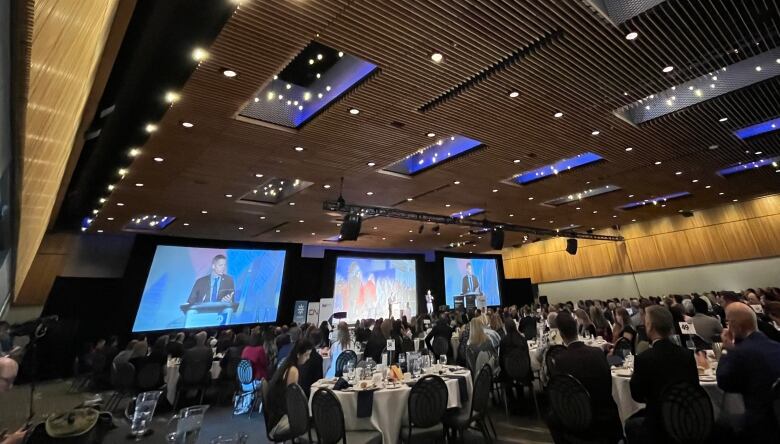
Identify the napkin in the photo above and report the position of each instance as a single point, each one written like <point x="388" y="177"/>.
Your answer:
<point x="341" y="384"/>
<point x="365" y="403"/>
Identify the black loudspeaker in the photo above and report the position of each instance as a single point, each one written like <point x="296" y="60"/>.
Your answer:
<point x="497" y="238"/>
<point x="350" y="228"/>
<point x="571" y="246"/>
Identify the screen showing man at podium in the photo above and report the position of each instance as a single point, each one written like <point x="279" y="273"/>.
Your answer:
<point x="191" y="287"/>
<point x="471" y="282"/>
<point x="367" y="288"/>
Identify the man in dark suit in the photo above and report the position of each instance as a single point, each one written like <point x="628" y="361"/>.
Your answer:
<point x="470" y="282"/>
<point x="750" y="365"/>
<point x="215" y="286"/>
<point x="200" y="354"/>
<point x="655" y="369"/>
<point x="589" y="365"/>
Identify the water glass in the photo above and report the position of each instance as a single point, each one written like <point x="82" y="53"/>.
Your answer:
<point x="443" y="360"/>
<point x="426" y="362"/>
<point x="184" y="428"/>
<point x="140" y="421"/>
<point x="415" y="365"/>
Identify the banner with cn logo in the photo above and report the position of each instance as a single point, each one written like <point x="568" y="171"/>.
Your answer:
<point x="299" y="312"/>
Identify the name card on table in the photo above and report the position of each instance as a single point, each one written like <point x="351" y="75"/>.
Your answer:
<point x="757" y="308"/>
<point x="687" y="329"/>
<point x="391" y="345"/>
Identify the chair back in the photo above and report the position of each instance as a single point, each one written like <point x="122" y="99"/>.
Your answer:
<point x="570" y="403"/>
<point x="481" y="395"/>
<point x="427" y="401"/>
<point x="244" y="371"/>
<point x="517" y="365"/>
<point x="440" y="346"/>
<point x="264" y="389"/>
<point x="328" y="417"/>
<point x="297" y="410"/>
<point x="776" y="401"/>
<point x="230" y="372"/>
<point x="194" y="371"/>
<point x="552" y="354"/>
<point x="149" y="376"/>
<point x="407" y="345"/>
<point x="686" y="413"/>
<point x="486" y="358"/>
<point x="622" y="348"/>
<point x="341" y="361"/>
<point x="123" y="376"/>
<point x="700" y="343"/>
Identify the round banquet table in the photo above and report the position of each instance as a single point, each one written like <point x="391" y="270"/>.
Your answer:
<point x="389" y="410"/>
<point x="726" y="406"/>
<point x="172" y="377"/>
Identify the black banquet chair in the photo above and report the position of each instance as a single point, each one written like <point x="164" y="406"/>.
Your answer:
<point x="297" y="413"/>
<point x="686" y="413"/>
<point x="776" y="400"/>
<point x="518" y="371"/>
<point x="195" y="375"/>
<point x="426" y="406"/>
<point x="341" y="361"/>
<point x="123" y="383"/>
<point x="461" y="420"/>
<point x="571" y="408"/>
<point x="549" y="359"/>
<point x="329" y="422"/>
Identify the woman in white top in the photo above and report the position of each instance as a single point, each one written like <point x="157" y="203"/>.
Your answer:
<point x="342" y="342"/>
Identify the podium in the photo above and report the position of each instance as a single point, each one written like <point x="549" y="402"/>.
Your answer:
<point x="207" y="314"/>
<point x="469" y="299"/>
<point x="458" y="302"/>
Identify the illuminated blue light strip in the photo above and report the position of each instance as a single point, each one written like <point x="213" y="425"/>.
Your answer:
<point x="654" y="200"/>
<point x="442" y="150"/>
<point x="467" y="213"/>
<point x="758" y="129"/>
<point x="556" y="168"/>
<point x="742" y="167"/>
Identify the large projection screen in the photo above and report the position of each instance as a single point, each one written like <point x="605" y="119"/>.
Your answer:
<point x="190" y="287"/>
<point x="476" y="277"/>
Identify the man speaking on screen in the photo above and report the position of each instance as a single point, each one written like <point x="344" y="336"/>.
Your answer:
<point x="216" y="286"/>
<point x="470" y="282"/>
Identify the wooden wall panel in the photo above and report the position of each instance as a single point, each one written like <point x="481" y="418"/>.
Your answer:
<point x="67" y="43"/>
<point x="728" y="233"/>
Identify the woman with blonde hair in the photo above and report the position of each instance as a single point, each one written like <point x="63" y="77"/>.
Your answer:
<point x="584" y="324"/>
<point x="343" y="342"/>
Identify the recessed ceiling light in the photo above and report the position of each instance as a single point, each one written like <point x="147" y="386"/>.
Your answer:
<point x="134" y="152"/>
<point x="511" y="215"/>
<point x="437" y="57"/>
<point x="186" y="224"/>
<point x="713" y="147"/>
<point x="758" y="68"/>
<point x="139" y="184"/>
<point x="109" y="218"/>
<point x="354" y="111"/>
<point x="632" y="35"/>
<point x="262" y="217"/>
<point x="187" y="124"/>
<point x="678" y="173"/>
<point x="758" y="153"/>
<point x="110" y="188"/>
<point x="695" y="180"/>
<point x="203" y="212"/>
<point x="668" y="69"/>
<point x="629" y="149"/>
<point x="533" y="218"/>
<point x="457" y="182"/>
<point x="633" y="220"/>
<point x="292" y="204"/>
<point x="199" y="54"/>
<point x="371" y="164"/>
<point x="447" y="205"/>
<point x="513" y="94"/>
<point x="150" y="128"/>
<point x="431" y="134"/>
<point x="229" y="73"/>
<point x="530" y="198"/>
<point x="99" y="231"/>
<point x="299" y="148"/>
<point x="326" y="186"/>
<point x="495" y="190"/>
<point x="657" y="162"/>
<point x="595" y="133"/>
<point x="737" y="200"/>
<point x="228" y="196"/>
<point x="723" y="119"/>
<point x="630" y="196"/>
<point x="708" y="187"/>
<point x="300" y="221"/>
<point x="558" y="114"/>
<point x="120" y="204"/>
<point x="172" y="97"/>
<point x="614" y="216"/>
<point x="409" y="199"/>
<point x="278" y="231"/>
<point x="516" y="161"/>
<point x="158" y="159"/>
<point x="122" y="172"/>
<point x="369" y="193"/>
<point x="577" y="208"/>
<point x="240" y="228"/>
<point x="595" y="211"/>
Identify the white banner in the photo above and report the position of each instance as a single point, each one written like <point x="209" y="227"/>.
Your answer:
<point x="313" y="316"/>
<point x="326" y="309"/>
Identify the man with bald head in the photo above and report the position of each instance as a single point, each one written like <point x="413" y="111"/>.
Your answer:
<point x="750" y="365"/>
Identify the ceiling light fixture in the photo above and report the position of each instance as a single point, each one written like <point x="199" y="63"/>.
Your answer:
<point x="595" y="133"/>
<point x="228" y="196"/>
<point x="326" y="186"/>
<point x="199" y="54"/>
<point x="354" y="111"/>
<point x="668" y="69"/>
<point x="369" y="193"/>
<point x="371" y="164"/>
<point x="139" y="184"/>
<point x="229" y="73"/>
<point x="120" y="204"/>
<point x="723" y="119"/>
<point x="513" y="94"/>
<point x="298" y="148"/>
<point x="632" y="35"/>
<point x="657" y="162"/>
<point x="558" y="114"/>
<point x="172" y="97"/>
<point x="187" y="124"/>
<point x="437" y="57"/>
<point x="150" y="128"/>
<point x="204" y="212"/>
<point x="516" y="161"/>
<point x="629" y="149"/>
<point x="159" y="159"/>
<point x="431" y="134"/>
<point x="678" y="173"/>
<point x="134" y="152"/>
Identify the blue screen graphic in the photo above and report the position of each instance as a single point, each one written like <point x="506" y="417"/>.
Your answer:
<point x="471" y="276"/>
<point x="375" y="288"/>
<point x="206" y="287"/>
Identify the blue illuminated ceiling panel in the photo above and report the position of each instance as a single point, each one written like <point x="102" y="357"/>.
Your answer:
<point x="467" y="213"/>
<point x="561" y="166"/>
<point x="574" y="197"/>
<point x="748" y="166"/>
<point x="758" y="129"/>
<point x="312" y="81"/>
<point x="433" y="155"/>
<point x="654" y="200"/>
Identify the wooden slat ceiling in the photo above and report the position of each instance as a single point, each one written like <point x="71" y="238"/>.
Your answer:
<point x="586" y="74"/>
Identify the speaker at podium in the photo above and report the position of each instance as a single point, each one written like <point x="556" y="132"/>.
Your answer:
<point x="207" y="314"/>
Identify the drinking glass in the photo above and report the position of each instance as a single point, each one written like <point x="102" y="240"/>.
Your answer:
<point x="426" y="362"/>
<point x="443" y="360"/>
<point x="415" y="364"/>
<point x="140" y="421"/>
<point x="185" y="426"/>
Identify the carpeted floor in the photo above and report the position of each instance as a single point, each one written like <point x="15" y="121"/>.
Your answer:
<point x="54" y="396"/>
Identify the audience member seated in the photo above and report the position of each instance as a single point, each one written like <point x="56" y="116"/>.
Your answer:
<point x="706" y="326"/>
<point x="378" y="340"/>
<point x="662" y="365"/>
<point x="440" y="330"/>
<point x="622" y="320"/>
<point x="311" y="371"/>
<point x="284" y="349"/>
<point x="176" y="346"/>
<point x="585" y="326"/>
<point x="600" y="324"/>
<point x="750" y="365"/>
<point x="288" y="373"/>
<point x="200" y="352"/>
<point x="479" y="342"/>
<point x="234" y="353"/>
<point x="255" y="354"/>
<point x="590" y="367"/>
<point x="342" y="342"/>
<point x="134" y="349"/>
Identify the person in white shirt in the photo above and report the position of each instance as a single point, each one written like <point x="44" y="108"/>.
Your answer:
<point x="343" y="342"/>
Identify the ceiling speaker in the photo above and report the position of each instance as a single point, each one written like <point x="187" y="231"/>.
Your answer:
<point x="350" y="228"/>
<point x="686" y="213"/>
<point x="497" y="238"/>
<point x="571" y="246"/>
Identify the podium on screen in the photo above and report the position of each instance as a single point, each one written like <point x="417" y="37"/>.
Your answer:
<point x="208" y="314"/>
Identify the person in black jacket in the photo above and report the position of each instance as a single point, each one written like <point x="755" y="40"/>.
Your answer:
<point x="378" y="340"/>
<point x="589" y="365"/>
<point x="655" y="369"/>
<point x="311" y="371"/>
<point x="440" y="330"/>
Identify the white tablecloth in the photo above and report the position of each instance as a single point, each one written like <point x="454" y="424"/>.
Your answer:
<point x="726" y="406"/>
<point x="172" y="377"/>
<point x="389" y="411"/>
